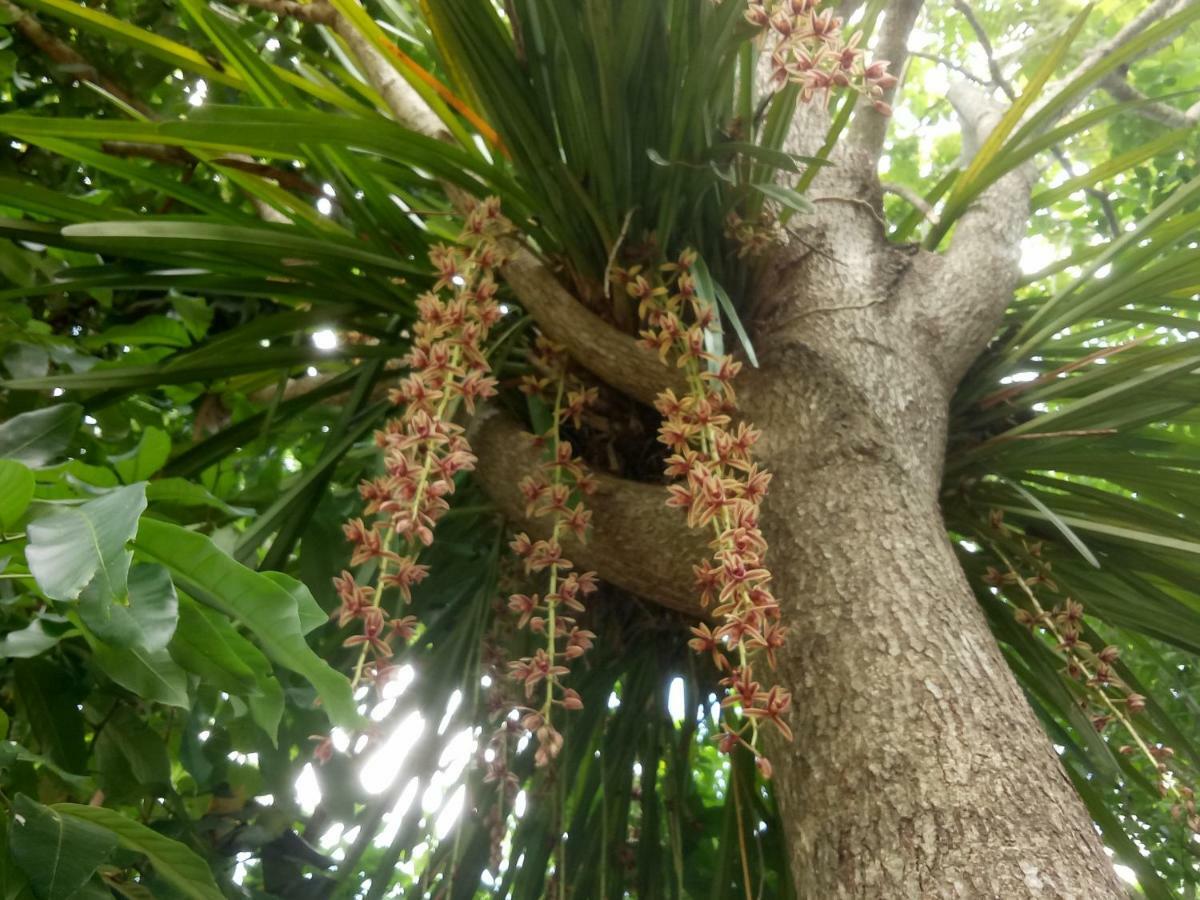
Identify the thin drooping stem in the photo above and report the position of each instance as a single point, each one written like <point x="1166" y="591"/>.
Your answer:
<point x="1088" y="669"/>
<point x="555" y="536"/>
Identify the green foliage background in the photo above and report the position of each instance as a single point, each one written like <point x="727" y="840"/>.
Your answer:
<point x="171" y="499"/>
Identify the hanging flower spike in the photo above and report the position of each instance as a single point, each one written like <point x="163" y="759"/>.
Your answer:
<point x="423" y="449"/>
<point x="1107" y="699"/>
<point x="720" y="488"/>
<point x="556" y="493"/>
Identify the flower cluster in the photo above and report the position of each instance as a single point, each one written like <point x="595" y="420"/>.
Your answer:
<point x="718" y="486"/>
<point x="753" y="237"/>
<point x="423" y="448"/>
<point x="811" y="51"/>
<point x="1107" y="698"/>
<point x="557" y="492"/>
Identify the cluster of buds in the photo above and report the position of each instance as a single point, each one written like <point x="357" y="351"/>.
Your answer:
<point x="1106" y="698"/>
<point x="423" y="448"/>
<point x="753" y="237"/>
<point x="811" y="51"/>
<point x="555" y="492"/>
<point x="720" y="487"/>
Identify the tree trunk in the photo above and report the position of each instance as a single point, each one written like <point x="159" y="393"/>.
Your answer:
<point x="918" y="768"/>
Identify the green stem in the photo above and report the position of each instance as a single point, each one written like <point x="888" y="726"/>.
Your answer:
<point x="418" y="496"/>
<point x="708" y="445"/>
<point x="1047" y="623"/>
<point x="551" y="644"/>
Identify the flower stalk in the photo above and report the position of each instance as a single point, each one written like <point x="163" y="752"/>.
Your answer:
<point x="423" y="448"/>
<point x="557" y="491"/>
<point x="1111" y="699"/>
<point x="720" y="488"/>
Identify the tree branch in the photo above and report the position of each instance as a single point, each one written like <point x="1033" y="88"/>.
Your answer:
<point x="950" y="64"/>
<point x="1002" y="82"/>
<point x="611" y="355"/>
<point x="869" y="127"/>
<point x="973" y="281"/>
<point x="636" y="542"/>
<point x="981" y="35"/>
<point x="404" y="102"/>
<point x="316" y="13"/>
<point x="177" y="156"/>
<point x="1118" y="85"/>
<point x="910" y="196"/>
<point x="1155" y="12"/>
<point x="66" y="56"/>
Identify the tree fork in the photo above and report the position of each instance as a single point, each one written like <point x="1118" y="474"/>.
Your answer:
<point x="919" y="769"/>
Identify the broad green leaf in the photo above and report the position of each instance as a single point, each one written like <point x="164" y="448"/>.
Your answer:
<point x="208" y="645"/>
<point x="35" y="438"/>
<point x="26" y="360"/>
<point x="269" y="611"/>
<point x="77" y="471"/>
<point x="152" y="675"/>
<point x="173" y="862"/>
<point x="146" y="458"/>
<point x="266" y="706"/>
<point x="13" y="883"/>
<point x="48" y="697"/>
<point x="310" y="613"/>
<point x="32" y="640"/>
<point x="16" y="490"/>
<point x="95" y="889"/>
<point x="196" y="314"/>
<point x="147" y="621"/>
<point x="182" y="492"/>
<point x="11" y="751"/>
<point x="84" y="546"/>
<point x="56" y="852"/>
<point x="131" y="758"/>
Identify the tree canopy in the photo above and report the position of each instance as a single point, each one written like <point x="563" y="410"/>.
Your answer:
<point x="216" y="226"/>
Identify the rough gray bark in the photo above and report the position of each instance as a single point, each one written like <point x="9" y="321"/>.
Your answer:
<point x="918" y="768"/>
<point x="635" y="540"/>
